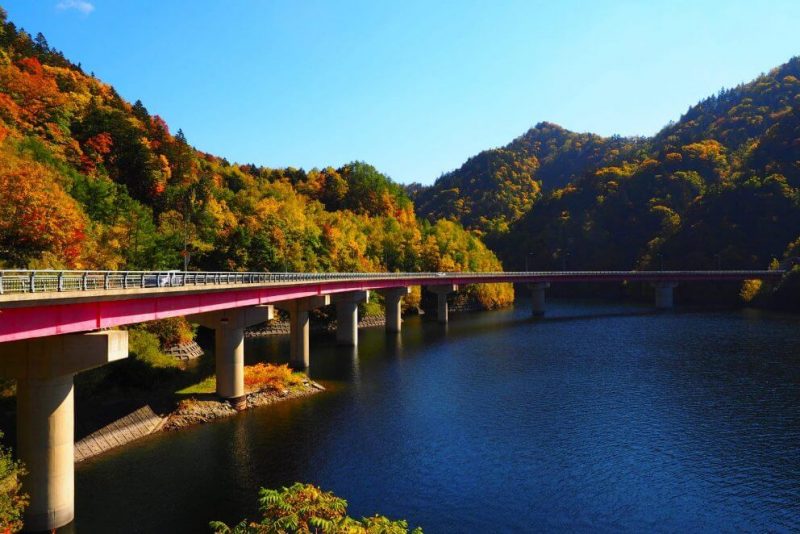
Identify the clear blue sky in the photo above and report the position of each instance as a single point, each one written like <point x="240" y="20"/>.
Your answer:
<point x="413" y="87"/>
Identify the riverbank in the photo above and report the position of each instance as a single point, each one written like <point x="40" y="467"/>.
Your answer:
<point x="190" y="411"/>
<point x="207" y="408"/>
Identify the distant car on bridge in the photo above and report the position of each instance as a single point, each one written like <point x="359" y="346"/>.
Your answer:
<point x="168" y="279"/>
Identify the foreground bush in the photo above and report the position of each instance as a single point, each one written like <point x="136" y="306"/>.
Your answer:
<point x="12" y="500"/>
<point x="305" y="508"/>
<point x="270" y="376"/>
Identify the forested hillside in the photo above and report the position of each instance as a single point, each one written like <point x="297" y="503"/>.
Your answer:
<point x="89" y="180"/>
<point x="497" y="187"/>
<point x="718" y="188"/>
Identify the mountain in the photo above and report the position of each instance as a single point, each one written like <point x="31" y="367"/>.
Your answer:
<point x="91" y="181"/>
<point x="719" y="187"/>
<point x="497" y="187"/>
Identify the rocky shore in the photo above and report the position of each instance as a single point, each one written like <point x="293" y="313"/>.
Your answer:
<point x="207" y="408"/>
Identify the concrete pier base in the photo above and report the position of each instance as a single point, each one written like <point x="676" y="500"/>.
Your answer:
<point x="229" y="359"/>
<point x="45" y="443"/>
<point x="44" y="370"/>
<point x="228" y="326"/>
<point x="664" y="294"/>
<point x="538" y="306"/>
<point x="393" y="300"/>
<point x="442" y="291"/>
<point x="298" y="327"/>
<point x="347" y="316"/>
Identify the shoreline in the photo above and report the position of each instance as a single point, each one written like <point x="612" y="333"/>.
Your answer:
<point x="201" y="409"/>
<point x="195" y="410"/>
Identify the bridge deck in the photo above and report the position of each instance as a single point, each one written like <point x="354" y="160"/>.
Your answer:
<point x="45" y="303"/>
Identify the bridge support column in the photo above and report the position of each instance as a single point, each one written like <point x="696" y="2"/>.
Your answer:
<point x="347" y="315"/>
<point x="441" y="295"/>
<point x="537" y="298"/>
<point x="393" y="300"/>
<point x="44" y="370"/>
<point x="228" y="326"/>
<point x="664" y="294"/>
<point x="299" y="325"/>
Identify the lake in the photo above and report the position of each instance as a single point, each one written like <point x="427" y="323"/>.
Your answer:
<point x="599" y="417"/>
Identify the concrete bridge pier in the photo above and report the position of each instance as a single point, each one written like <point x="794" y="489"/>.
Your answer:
<point x="228" y="326"/>
<point x="537" y="298"/>
<point x="299" y="325"/>
<point x="393" y="300"/>
<point x="664" y="294"/>
<point x="347" y="316"/>
<point x="441" y="295"/>
<point x="44" y="370"/>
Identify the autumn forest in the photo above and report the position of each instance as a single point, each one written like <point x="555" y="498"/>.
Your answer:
<point x="91" y="181"/>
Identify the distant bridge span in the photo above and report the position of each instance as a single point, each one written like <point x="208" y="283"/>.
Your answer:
<point x="54" y="324"/>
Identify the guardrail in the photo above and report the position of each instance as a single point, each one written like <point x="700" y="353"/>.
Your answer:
<point x="47" y="281"/>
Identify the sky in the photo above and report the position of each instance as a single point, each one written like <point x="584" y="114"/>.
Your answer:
<point x="412" y="87"/>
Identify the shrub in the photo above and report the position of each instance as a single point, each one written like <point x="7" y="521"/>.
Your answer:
<point x="145" y="347"/>
<point x="170" y="332"/>
<point x="373" y="307"/>
<point x="750" y="290"/>
<point x="146" y="367"/>
<point x="305" y="508"/>
<point x="12" y="500"/>
<point x="270" y="376"/>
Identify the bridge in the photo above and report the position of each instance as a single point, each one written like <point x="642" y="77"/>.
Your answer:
<point x="54" y="324"/>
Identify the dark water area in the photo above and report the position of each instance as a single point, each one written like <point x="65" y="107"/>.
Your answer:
<point x="600" y="417"/>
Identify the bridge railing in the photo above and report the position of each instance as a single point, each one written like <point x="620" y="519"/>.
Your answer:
<point x="47" y="281"/>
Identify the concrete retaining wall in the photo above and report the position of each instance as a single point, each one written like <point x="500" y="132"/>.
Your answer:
<point x="281" y="328"/>
<point x="133" y="426"/>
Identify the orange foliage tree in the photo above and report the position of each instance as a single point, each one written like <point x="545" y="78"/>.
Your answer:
<point x="38" y="219"/>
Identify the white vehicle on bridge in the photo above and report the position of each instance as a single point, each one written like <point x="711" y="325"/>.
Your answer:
<point x="169" y="278"/>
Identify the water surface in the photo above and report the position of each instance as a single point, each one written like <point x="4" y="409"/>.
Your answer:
<point x="597" y="418"/>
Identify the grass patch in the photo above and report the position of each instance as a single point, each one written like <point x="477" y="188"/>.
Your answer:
<point x="256" y="378"/>
<point x="209" y="385"/>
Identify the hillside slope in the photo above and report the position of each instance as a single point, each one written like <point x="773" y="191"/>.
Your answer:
<point x="719" y="187"/>
<point x="498" y="186"/>
<point x="88" y="180"/>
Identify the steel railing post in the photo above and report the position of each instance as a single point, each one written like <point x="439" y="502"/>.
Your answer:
<point x="32" y="281"/>
<point x="61" y="281"/>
